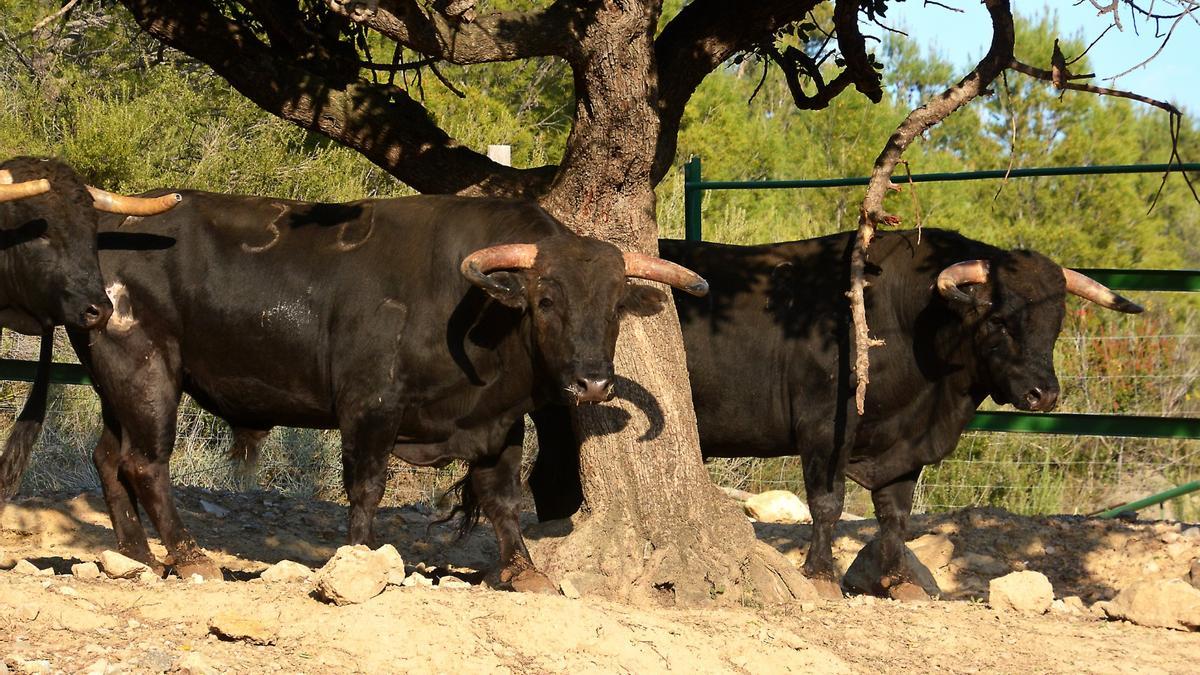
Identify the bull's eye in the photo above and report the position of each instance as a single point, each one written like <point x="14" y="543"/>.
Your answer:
<point x="545" y="303"/>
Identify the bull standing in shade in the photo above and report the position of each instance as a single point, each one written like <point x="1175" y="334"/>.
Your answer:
<point x="769" y="353"/>
<point x="49" y="274"/>
<point x="422" y="327"/>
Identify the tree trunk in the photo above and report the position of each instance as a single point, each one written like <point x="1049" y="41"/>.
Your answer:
<point x="654" y="526"/>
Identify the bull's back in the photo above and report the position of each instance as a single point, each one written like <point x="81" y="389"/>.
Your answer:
<point x="273" y="302"/>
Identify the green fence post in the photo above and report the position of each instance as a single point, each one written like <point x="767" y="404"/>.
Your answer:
<point x="693" y="196"/>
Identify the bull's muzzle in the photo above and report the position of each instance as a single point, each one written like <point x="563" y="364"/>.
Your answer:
<point x="1041" y="399"/>
<point x="591" y="389"/>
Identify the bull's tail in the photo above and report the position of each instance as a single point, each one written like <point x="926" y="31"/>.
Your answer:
<point x="244" y="453"/>
<point x="28" y="425"/>
<point x="468" y="505"/>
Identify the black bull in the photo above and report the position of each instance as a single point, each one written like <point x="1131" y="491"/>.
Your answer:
<point x="769" y="355"/>
<point x="423" y="327"/>
<point x="49" y="274"/>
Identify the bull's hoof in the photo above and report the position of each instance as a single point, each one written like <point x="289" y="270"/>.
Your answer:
<point x="533" y="581"/>
<point x="906" y="592"/>
<point x="827" y="588"/>
<point x="202" y="565"/>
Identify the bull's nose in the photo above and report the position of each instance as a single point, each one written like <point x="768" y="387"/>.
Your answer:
<point x="96" y="315"/>
<point x="592" y="389"/>
<point x="1042" y="400"/>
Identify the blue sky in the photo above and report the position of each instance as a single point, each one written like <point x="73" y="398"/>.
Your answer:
<point x="962" y="38"/>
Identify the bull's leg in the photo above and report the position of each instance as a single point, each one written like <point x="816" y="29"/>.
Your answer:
<point x="554" y="481"/>
<point x="119" y="496"/>
<point x="825" y="486"/>
<point x="366" y="448"/>
<point x="495" y="483"/>
<point x="893" y="506"/>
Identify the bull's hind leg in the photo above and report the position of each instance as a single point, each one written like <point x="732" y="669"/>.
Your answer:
<point x="825" y="487"/>
<point x="893" y="505"/>
<point x="119" y="496"/>
<point x="494" y="483"/>
<point x="366" y="447"/>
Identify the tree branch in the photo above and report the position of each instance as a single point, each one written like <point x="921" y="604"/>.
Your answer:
<point x="705" y="34"/>
<point x="380" y="121"/>
<point x="467" y="39"/>
<point x="853" y="46"/>
<point x="872" y="214"/>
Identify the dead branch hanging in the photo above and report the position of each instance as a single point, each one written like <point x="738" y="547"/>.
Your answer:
<point x="872" y="213"/>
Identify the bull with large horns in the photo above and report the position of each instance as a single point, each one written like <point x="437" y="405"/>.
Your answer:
<point x="49" y="273"/>
<point x="422" y="327"/>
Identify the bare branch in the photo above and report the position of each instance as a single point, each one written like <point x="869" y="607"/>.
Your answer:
<point x="381" y="121"/>
<point x="853" y="46"/>
<point x="872" y="214"/>
<point x="497" y="36"/>
<point x="1061" y="83"/>
<point x="62" y="11"/>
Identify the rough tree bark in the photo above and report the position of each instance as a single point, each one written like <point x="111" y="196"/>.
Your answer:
<point x="654" y="526"/>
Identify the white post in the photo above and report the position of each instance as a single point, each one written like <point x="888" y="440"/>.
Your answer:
<point x="501" y="154"/>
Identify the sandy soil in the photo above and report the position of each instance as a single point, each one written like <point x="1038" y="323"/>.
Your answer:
<point x="64" y="624"/>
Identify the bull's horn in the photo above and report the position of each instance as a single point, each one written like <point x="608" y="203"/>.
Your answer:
<point x="1090" y="289"/>
<point x="664" y="271"/>
<point x="132" y="206"/>
<point x="476" y="266"/>
<point x="30" y="188"/>
<point x="967" y="272"/>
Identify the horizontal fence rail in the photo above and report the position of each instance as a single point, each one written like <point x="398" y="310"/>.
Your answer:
<point x="1074" y="424"/>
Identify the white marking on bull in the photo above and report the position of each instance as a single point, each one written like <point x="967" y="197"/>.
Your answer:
<point x="346" y="246"/>
<point x="273" y="228"/>
<point x="122" y="319"/>
<point x="290" y="312"/>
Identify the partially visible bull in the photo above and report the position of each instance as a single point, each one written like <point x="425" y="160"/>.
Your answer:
<point x="770" y="351"/>
<point x="49" y="274"/>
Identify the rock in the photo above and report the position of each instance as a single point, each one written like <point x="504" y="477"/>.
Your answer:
<point x="417" y="579"/>
<point x="777" y="506"/>
<point x="117" y="566"/>
<point x="85" y="570"/>
<point x="240" y="628"/>
<point x="865" y="573"/>
<point x="193" y="663"/>
<point x="1194" y="573"/>
<point x="980" y="565"/>
<point x="1074" y="604"/>
<point x="218" y="511"/>
<point x="1026" y="591"/>
<point x="286" y="570"/>
<point x="23" y="566"/>
<point x="1170" y="603"/>
<point x="356" y="574"/>
<point x="1180" y="550"/>
<point x="148" y="577"/>
<point x="1192" y="533"/>
<point x="100" y="667"/>
<point x="568" y="589"/>
<point x="28" y="666"/>
<point x="933" y="550"/>
<point x="452" y="582"/>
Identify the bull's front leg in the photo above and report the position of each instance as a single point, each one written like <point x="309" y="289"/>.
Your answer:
<point x="825" y="487"/>
<point x="893" y="506"/>
<point x="495" y="483"/>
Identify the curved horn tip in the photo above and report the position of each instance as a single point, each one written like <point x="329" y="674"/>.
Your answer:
<point x="1127" y="306"/>
<point x="698" y="289"/>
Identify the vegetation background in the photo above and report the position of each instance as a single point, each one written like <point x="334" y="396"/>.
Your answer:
<point x="131" y="116"/>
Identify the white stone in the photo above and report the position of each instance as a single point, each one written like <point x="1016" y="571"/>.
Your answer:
<point x="777" y="506"/>
<point x="452" y="582"/>
<point x="356" y="574"/>
<point x="1026" y="591"/>
<point x="214" y="509"/>
<point x="25" y="567"/>
<point x="417" y="579"/>
<point x="117" y="566"/>
<point x="1161" y="603"/>
<point x="85" y="570"/>
<point x="286" y="570"/>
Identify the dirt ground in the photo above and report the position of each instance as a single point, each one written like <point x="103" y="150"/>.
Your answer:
<point x="56" y="623"/>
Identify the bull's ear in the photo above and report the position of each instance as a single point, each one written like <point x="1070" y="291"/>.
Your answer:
<point x="642" y="300"/>
<point x="508" y="288"/>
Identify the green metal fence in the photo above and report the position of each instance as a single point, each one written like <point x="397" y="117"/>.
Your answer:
<point x="1073" y="424"/>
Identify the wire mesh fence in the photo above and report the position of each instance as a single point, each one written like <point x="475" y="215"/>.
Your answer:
<point x="1148" y="365"/>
